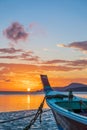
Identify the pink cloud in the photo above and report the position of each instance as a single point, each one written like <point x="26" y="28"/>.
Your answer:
<point x="80" y="64"/>
<point x="16" y="32"/>
<point x="36" y="29"/>
<point x="9" y="50"/>
<point x="79" y="45"/>
<point x="18" y="54"/>
<point x="9" y="57"/>
<point x="56" y="61"/>
<point x="82" y="45"/>
<point x="33" y="25"/>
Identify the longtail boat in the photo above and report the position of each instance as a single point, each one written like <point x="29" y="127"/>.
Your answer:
<point x="70" y="111"/>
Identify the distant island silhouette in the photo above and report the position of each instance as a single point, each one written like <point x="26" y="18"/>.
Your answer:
<point x="75" y="87"/>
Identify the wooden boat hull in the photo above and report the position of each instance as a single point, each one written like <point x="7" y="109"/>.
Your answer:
<point x="65" y="123"/>
<point x="66" y="119"/>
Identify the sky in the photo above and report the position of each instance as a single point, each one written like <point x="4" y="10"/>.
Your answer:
<point x="42" y="37"/>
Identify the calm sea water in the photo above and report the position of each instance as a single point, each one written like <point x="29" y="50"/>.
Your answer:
<point x="27" y="103"/>
<point x="20" y="102"/>
<point x="24" y="102"/>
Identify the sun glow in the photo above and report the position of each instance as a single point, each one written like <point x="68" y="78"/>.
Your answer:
<point x="28" y="89"/>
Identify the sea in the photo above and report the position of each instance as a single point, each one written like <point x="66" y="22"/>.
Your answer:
<point x="26" y="105"/>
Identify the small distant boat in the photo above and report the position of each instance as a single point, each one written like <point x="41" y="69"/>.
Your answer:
<point x="70" y="111"/>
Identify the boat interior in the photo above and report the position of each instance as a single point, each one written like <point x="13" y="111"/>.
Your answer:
<point x="75" y="104"/>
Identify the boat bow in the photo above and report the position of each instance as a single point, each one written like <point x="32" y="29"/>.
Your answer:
<point x="69" y="114"/>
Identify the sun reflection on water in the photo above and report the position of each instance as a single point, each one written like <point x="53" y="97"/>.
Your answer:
<point x="20" y="102"/>
<point x="28" y="99"/>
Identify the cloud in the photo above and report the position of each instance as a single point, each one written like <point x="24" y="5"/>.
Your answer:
<point x="45" y="49"/>
<point x="1" y="68"/>
<point x="16" y="32"/>
<point x="59" y="68"/>
<point x="82" y="46"/>
<point x="82" y="63"/>
<point x="21" y="57"/>
<point x="5" y="69"/>
<point x="9" y="57"/>
<point x="33" y="58"/>
<point x="7" y="80"/>
<point x="26" y="54"/>
<point x="50" y="65"/>
<point x="34" y="68"/>
<point x="36" y="29"/>
<point x="83" y="58"/>
<point x="78" y="64"/>
<point x="79" y="45"/>
<point x="10" y="53"/>
<point x="9" y="50"/>
<point x="33" y="25"/>
<point x="55" y="61"/>
<point x="61" y="45"/>
<point x="55" y="64"/>
<point x="12" y="67"/>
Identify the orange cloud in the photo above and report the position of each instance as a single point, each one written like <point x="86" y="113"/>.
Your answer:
<point x="67" y="65"/>
<point x="21" y="76"/>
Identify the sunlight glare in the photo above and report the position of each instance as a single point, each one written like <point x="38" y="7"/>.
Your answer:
<point x="28" y="89"/>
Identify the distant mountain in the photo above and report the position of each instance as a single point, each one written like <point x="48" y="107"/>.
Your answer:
<point x="74" y="87"/>
<point x="14" y="92"/>
<point x="19" y="92"/>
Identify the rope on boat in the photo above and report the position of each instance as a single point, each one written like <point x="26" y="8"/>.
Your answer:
<point x="38" y="114"/>
<point x="82" y="103"/>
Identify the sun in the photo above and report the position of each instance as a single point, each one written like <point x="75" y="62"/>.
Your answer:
<point x="28" y="89"/>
